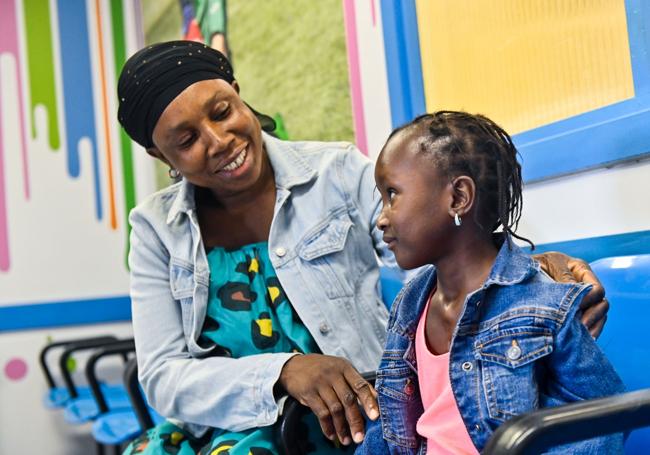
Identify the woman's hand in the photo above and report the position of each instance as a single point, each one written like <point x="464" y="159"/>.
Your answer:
<point x="565" y="269"/>
<point x="330" y="386"/>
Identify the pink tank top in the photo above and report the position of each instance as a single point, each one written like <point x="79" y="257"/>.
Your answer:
<point x="441" y="423"/>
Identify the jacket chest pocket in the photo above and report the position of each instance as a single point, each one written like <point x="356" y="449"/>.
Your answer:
<point x="183" y="285"/>
<point x="400" y="404"/>
<point x="322" y="247"/>
<point x="508" y="368"/>
<point x="181" y="280"/>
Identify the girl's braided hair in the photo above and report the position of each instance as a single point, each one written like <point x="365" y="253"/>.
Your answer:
<point x="473" y="145"/>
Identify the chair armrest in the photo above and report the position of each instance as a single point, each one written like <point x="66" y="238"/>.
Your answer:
<point x="135" y="395"/>
<point x="114" y="348"/>
<point x="49" y="346"/>
<point x="536" y="431"/>
<point x="292" y="412"/>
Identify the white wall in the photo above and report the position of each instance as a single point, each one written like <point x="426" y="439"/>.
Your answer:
<point x="590" y="204"/>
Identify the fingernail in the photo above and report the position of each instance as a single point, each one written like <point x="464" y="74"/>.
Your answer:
<point x="358" y="437"/>
<point x="373" y="414"/>
<point x="346" y="441"/>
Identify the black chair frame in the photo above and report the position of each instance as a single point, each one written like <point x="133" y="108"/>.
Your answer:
<point x="121" y="347"/>
<point x="287" y="436"/>
<point x="135" y="395"/>
<point x="68" y="351"/>
<point x="540" y="430"/>
<point x="80" y="341"/>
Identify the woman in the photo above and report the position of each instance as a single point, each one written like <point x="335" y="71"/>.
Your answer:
<point x="264" y="251"/>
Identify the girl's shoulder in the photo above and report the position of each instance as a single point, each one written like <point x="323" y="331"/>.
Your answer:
<point x="539" y="297"/>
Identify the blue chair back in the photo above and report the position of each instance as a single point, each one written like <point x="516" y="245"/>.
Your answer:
<point x="391" y="283"/>
<point x="626" y="337"/>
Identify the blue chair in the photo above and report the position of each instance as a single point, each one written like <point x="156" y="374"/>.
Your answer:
<point x="391" y="283"/>
<point x="82" y="408"/>
<point x="56" y="396"/>
<point x="116" y="427"/>
<point x="625" y="338"/>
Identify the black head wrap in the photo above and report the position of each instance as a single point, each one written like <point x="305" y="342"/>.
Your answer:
<point x="157" y="74"/>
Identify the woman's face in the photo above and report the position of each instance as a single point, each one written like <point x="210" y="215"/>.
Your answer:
<point x="211" y="137"/>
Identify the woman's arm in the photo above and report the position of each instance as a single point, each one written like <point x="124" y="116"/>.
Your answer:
<point x="565" y="269"/>
<point x="233" y="394"/>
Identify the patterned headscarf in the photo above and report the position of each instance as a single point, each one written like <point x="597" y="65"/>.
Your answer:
<point x="157" y="74"/>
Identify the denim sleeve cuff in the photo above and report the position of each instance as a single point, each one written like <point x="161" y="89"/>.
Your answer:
<point x="267" y="404"/>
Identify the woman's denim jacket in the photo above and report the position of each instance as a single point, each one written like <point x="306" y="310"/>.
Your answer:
<point x="517" y="346"/>
<point x="323" y="244"/>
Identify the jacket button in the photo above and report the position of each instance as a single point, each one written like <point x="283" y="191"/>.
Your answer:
<point x="467" y="366"/>
<point x="514" y="351"/>
<point x="324" y="328"/>
<point x="280" y="251"/>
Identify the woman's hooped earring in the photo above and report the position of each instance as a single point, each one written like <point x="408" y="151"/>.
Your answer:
<point x="173" y="173"/>
<point x="457" y="220"/>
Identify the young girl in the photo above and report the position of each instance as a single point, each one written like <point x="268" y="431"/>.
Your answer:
<point x="485" y="335"/>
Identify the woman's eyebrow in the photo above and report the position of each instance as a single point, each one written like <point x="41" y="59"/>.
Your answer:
<point x="185" y="124"/>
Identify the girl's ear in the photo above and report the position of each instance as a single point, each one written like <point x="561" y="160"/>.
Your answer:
<point x="463" y="195"/>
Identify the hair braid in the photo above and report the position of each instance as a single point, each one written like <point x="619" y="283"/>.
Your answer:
<point x="473" y="145"/>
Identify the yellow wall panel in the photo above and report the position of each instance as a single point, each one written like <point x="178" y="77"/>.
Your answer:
<point x="524" y="63"/>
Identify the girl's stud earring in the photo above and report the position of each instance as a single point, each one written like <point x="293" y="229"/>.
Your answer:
<point x="173" y="173"/>
<point x="457" y="220"/>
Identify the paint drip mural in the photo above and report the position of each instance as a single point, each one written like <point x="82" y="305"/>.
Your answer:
<point x="68" y="174"/>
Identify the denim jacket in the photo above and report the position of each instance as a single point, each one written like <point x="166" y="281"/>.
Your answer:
<point x="517" y="346"/>
<point x="323" y="244"/>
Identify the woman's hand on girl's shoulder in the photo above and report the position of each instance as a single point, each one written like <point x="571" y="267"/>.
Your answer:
<point x="333" y="389"/>
<point x="565" y="269"/>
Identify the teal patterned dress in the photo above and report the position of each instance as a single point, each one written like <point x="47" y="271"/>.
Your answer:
<point x="245" y="298"/>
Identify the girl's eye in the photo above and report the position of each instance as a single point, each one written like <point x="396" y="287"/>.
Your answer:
<point x="391" y="193"/>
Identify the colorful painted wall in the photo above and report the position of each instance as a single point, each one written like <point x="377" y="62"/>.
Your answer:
<point x="68" y="178"/>
<point x="68" y="174"/>
<point x="570" y="80"/>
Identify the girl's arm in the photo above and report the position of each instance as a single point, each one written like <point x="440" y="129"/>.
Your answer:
<point x="233" y="394"/>
<point x="578" y="370"/>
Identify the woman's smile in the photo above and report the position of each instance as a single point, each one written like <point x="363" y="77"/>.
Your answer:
<point x="237" y="164"/>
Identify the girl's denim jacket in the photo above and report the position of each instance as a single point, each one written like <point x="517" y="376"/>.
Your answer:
<point x="323" y="244"/>
<point x="517" y="346"/>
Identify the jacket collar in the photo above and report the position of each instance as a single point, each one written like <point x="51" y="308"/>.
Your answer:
<point x="511" y="266"/>
<point x="289" y="168"/>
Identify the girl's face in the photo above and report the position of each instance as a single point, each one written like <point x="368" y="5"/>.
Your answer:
<point x="210" y="136"/>
<point x="417" y="200"/>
